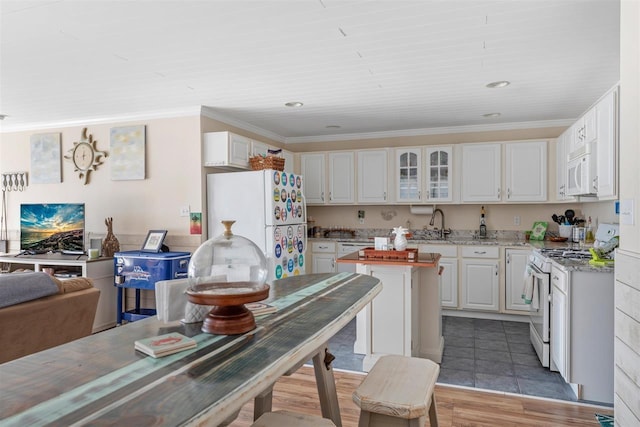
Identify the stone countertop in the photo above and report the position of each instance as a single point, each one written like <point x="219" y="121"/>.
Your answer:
<point x="448" y="241"/>
<point x="580" y="265"/>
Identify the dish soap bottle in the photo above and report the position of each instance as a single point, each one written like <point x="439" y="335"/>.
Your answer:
<point x="483" y="225"/>
<point x="588" y="235"/>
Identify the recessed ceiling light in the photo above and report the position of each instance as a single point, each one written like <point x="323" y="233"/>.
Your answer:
<point x="501" y="83"/>
<point x="333" y="127"/>
<point x="294" y="104"/>
<point x="491" y="115"/>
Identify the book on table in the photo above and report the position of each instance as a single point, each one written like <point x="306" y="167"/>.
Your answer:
<point x="163" y="345"/>
<point x="259" y="308"/>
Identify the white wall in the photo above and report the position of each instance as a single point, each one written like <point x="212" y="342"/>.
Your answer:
<point x="627" y="299"/>
<point x="173" y="179"/>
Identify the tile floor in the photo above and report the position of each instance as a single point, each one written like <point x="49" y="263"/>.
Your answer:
<point x="488" y="354"/>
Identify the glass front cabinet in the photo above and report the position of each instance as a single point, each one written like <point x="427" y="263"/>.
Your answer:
<point x="435" y="164"/>
<point x="439" y="174"/>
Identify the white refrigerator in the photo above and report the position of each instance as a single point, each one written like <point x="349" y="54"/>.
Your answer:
<point x="268" y="207"/>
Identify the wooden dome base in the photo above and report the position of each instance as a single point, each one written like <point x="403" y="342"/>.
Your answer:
<point x="229" y="320"/>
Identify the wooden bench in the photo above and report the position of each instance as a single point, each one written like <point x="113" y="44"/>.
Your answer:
<point x="290" y="419"/>
<point x="398" y="391"/>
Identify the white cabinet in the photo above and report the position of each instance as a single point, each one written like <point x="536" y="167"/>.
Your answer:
<point x="341" y="177"/>
<point x="372" y="176"/>
<point x="323" y="257"/>
<point x="312" y="168"/>
<point x="526" y="171"/>
<point x="562" y="151"/>
<point x="559" y="313"/>
<point x="481" y="172"/>
<point x="340" y="173"/>
<point x="226" y="149"/>
<point x="288" y="161"/>
<point x="439" y="164"/>
<point x="584" y="130"/>
<point x="480" y="278"/>
<point x="515" y="266"/>
<point x="408" y="174"/>
<point x="607" y="146"/>
<point x="449" y="276"/>
<point x="391" y="311"/>
<point x="525" y="177"/>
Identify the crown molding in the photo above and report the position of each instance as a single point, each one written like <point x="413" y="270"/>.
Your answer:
<point x="432" y="131"/>
<point x="148" y="115"/>
<point x="212" y="114"/>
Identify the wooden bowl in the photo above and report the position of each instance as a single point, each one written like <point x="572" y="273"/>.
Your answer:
<point x="229" y="316"/>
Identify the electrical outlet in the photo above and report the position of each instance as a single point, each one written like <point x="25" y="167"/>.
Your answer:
<point x="185" y="211"/>
<point x="516" y="220"/>
<point x="361" y="220"/>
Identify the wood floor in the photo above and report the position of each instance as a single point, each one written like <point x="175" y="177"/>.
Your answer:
<point x="456" y="406"/>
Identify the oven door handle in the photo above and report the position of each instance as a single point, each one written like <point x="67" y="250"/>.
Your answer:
<point x="537" y="274"/>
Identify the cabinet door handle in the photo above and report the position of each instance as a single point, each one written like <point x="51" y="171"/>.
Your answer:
<point x="385" y="196"/>
<point x="322" y="196"/>
<point x="498" y="193"/>
<point x="479" y="252"/>
<point x="330" y="196"/>
<point x="496" y="268"/>
<point x="508" y="193"/>
<point x="333" y="263"/>
<point x="508" y="258"/>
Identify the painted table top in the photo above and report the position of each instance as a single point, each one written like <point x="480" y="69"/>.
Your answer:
<point x="102" y="380"/>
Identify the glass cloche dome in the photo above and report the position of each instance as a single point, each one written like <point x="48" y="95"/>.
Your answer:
<point x="228" y="258"/>
<point x="227" y="272"/>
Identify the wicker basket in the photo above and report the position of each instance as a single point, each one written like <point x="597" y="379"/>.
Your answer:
<point x="270" y="162"/>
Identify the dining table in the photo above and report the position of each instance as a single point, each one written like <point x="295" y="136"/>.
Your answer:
<point x="103" y="380"/>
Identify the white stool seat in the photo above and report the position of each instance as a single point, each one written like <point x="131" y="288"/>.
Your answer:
<point x="398" y="387"/>
<point x="290" y="419"/>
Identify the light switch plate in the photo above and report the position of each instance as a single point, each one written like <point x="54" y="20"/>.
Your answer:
<point x="185" y="211"/>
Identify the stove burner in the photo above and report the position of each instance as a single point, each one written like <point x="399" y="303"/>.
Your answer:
<point x="566" y="253"/>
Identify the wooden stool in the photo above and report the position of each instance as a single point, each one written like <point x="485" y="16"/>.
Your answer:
<point x="290" y="419"/>
<point x="398" y="391"/>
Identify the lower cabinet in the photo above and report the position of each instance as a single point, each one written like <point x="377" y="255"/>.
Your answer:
<point x="480" y="278"/>
<point x="449" y="276"/>
<point x="515" y="264"/>
<point x="323" y="257"/>
<point x="559" y="311"/>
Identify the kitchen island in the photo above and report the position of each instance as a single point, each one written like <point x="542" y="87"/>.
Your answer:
<point x="405" y="318"/>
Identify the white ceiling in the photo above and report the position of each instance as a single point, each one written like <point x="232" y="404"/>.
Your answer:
<point x="366" y="66"/>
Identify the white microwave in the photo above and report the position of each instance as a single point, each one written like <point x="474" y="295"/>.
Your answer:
<point x="581" y="173"/>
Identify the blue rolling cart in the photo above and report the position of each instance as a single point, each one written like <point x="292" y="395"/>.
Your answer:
<point x="141" y="270"/>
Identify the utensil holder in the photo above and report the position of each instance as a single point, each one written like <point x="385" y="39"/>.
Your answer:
<point x="565" y="230"/>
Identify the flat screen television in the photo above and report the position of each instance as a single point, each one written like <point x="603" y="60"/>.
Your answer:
<point x="52" y="227"/>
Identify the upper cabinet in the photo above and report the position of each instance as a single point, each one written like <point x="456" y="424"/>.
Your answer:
<point x="439" y="174"/>
<point x="562" y="151"/>
<point x="525" y="177"/>
<point x="312" y="168"/>
<point x="337" y="168"/>
<point x="583" y="131"/>
<point x="481" y="172"/>
<point x="607" y="146"/>
<point x="408" y="173"/>
<point x="226" y="149"/>
<point x="341" y="177"/>
<point x="526" y="171"/>
<point x="434" y="163"/>
<point x="372" y="176"/>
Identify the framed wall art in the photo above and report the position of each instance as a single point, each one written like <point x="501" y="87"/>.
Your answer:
<point x="153" y="242"/>
<point x="127" y="153"/>
<point x="45" y="159"/>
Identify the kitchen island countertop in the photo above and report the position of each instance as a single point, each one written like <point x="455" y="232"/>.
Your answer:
<point x="428" y="260"/>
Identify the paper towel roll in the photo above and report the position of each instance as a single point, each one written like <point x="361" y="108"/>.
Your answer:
<point x="421" y="209"/>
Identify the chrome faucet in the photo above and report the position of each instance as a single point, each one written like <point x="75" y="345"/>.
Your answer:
<point x="443" y="231"/>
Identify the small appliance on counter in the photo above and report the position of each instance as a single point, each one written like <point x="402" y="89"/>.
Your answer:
<point x="606" y="240"/>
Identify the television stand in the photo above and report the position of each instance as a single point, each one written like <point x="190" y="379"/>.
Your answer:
<point x="100" y="271"/>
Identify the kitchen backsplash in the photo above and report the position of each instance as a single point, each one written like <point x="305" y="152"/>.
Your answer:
<point x="459" y="218"/>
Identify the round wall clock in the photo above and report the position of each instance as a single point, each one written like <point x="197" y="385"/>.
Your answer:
<point x="85" y="157"/>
